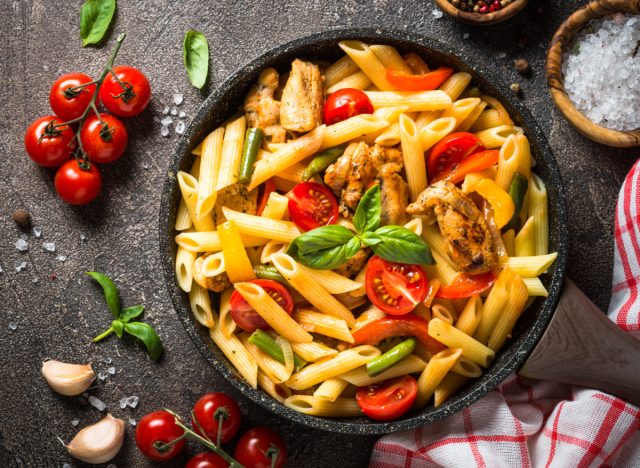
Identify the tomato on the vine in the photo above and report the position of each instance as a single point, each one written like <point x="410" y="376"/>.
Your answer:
<point x="154" y="431"/>
<point x="75" y="185"/>
<point x="312" y="205"/>
<point x="395" y="288"/>
<point x="67" y="99"/>
<point x="125" y="102"/>
<point x="208" y="409"/>
<point x="207" y="460"/>
<point x="105" y="140"/>
<point x="246" y="317"/>
<point x="346" y="103"/>
<point x="47" y="145"/>
<point x="261" y="448"/>
<point x="388" y="400"/>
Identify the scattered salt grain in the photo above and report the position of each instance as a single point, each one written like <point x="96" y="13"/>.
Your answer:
<point x="180" y="126"/>
<point x="145" y="166"/>
<point x="133" y="401"/>
<point x="49" y="246"/>
<point x="164" y="131"/>
<point x="465" y="36"/>
<point x="132" y="421"/>
<point x="437" y="13"/>
<point x="165" y="110"/>
<point x="13" y="326"/>
<point x="66" y="465"/>
<point x="107" y="360"/>
<point x="61" y="258"/>
<point x="111" y="370"/>
<point x="123" y="403"/>
<point x="502" y="55"/>
<point x="35" y="279"/>
<point x="606" y="91"/>
<point x="97" y="403"/>
<point x="75" y="422"/>
<point x="174" y="111"/>
<point x="182" y="114"/>
<point x="1" y="270"/>
<point x="20" y="266"/>
<point x="168" y="120"/>
<point x="22" y="245"/>
<point x="178" y="98"/>
<point x="102" y="375"/>
<point x="83" y="236"/>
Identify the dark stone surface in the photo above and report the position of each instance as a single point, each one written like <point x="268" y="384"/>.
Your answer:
<point x="57" y="317"/>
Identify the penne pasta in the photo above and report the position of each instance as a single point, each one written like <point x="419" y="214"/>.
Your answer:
<point x="494" y="304"/>
<point x="472" y="118"/>
<point x="331" y="389"/>
<point x="226" y="323"/>
<point x="351" y="128"/>
<point x="333" y="282"/>
<point x="184" y="268"/>
<point x="456" y="84"/>
<point x="357" y="80"/>
<point x="531" y="266"/>
<point x="390" y="114"/>
<point x="183" y="218"/>
<point x="313" y="351"/>
<point x="415" y="101"/>
<point x="367" y="61"/>
<point x="276" y="206"/>
<point x="209" y="165"/>
<point x="390" y="136"/>
<point x="461" y="109"/>
<point x="535" y="287"/>
<point x="258" y="226"/>
<point x="323" y="324"/>
<point x="339" y="408"/>
<point x="538" y="209"/>
<point x="443" y="313"/>
<point x="518" y="296"/>
<point x="450" y="336"/>
<point x="271" y="248"/>
<point x="201" y="305"/>
<point x="435" y="131"/>
<point x="449" y="385"/>
<point x="467" y="368"/>
<point x="497" y="136"/>
<point x="470" y="317"/>
<point x="339" y="70"/>
<point x="525" y="244"/>
<point x="189" y="188"/>
<point x="359" y="377"/>
<point x="515" y="157"/>
<point x="210" y="241"/>
<point x="432" y="375"/>
<point x="489" y="118"/>
<point x="509" y="241"/>
<point x="413" y="157"/>
<point x="231" y="152"/>
<point x="277" y="391"/>
<point x="390" y="58"/>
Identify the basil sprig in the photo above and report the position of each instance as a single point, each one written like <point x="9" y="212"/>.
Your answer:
<point x="328" y="247"/>
<point x="123" y="318"/>
<point x="196" y="57"/>
<point x="95" y="18"/>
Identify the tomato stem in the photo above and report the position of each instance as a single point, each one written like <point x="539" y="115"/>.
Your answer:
<point x="221" y="414"/>
<point x="272" y="452"/>
<point x="103" y="335"/>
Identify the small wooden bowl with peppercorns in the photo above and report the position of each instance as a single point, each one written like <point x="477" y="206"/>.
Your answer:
<point x="481" y="12"/>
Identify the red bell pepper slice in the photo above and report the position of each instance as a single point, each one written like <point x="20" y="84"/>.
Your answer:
<point x="466" y="285"/>
<point x="269" y="187"/>
<point x="475" y="162"/>
<point x="405" y="82"/>
<point x="397" y="325"/>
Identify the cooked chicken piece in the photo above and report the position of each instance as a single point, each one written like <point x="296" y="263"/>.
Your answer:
<point x="262" y="110"/>
<point x="354" y="172"/>
<point x="236" y="197"/>
<point x="302" y="100"/>
<point x="462" y="225"/>
<point x="219" y="282"/>
<point x="354" y="264"/>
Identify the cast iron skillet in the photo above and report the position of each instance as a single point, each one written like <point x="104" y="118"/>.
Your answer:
<point x="226" y="100"/>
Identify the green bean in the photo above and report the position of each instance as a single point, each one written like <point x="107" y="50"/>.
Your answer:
<point x="388" y="359"/>
<point x="252" y="142"/>
<point x="268" y="345"/>
<point x="269" y="272"/>
<point x="323" y="160"/>
<point x="517" y="191"/>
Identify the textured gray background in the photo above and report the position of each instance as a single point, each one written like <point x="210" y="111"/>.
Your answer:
<point x="57" y="317"/>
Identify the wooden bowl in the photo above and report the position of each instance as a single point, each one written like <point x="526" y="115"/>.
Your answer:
<point x="482" y="19"/>
<point x="563" y="39"/>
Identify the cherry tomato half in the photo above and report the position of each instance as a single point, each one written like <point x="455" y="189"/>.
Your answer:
<point x="246" y="317"/>
<point x="395" y="288"/>
<point x="450" y="151"/>
<point x="66" y="99"/>
<point x="207" y="460"/>
<point x="156" y="429"/>
<point x="75" y="185"/>
<point x="346" y="103"/>
<point x="388" y="400"/>
<point x="205" y="411"/>
<point x="125" y="102"/>
<point x="258" y="447"/>
<point x="47" y="146"/>
<point x="312" y="205"/>
<point x="105" y="141"/>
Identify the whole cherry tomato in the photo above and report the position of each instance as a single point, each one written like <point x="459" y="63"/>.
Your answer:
<point x="75" y="185"/>
<point x="451" y="150"/>
<point x="246" y="317"/>
<point x="207" y="411"/>
<point x="346" y="103"/>
<point x="207" y="460"/>
<point x="46" y="145"/>
<point x="67" y="100"/>
<point x="103" y="141"/>
<point x="395" y="288"/>
<point x="130" y="100"/>
<point x="258" y="447"/>
<point x="156" y="430"/>
<point x="312" y="205"/>
<point x="388" y="400"/>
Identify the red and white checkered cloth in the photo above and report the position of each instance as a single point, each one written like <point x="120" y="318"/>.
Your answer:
<point x="530" y="423"/>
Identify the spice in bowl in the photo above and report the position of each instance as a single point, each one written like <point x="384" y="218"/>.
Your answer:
<point x="602" y="69"/>
<point x="480" y="6"/>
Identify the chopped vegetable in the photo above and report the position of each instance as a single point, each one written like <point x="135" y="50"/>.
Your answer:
<point x="517" y="191"/>
<point x="321" y="161"/>
<point x="268" y="345"/>
<point x="466" y="285"/>
<point x="268" y="188"/>
<point x="269" y="272"/>
<point x="425" y="82"/>
<point x="394" y="355"/>
<point x="476" y="162"/>
<point x="252" y="142"/>
<point x="403" y="325"/>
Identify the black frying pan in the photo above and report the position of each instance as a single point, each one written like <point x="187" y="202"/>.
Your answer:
<point x="226" y="100"/>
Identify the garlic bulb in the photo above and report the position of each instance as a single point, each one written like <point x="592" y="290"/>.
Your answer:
<point x="68" y="379"/>
<point x="99" y="442"/>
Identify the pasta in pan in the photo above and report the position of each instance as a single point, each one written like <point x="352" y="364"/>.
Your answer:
<point x="391" y="241"/>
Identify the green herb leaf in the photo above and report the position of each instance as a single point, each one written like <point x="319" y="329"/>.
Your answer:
<point x="147" y="335"/>
<point x="95" y="18"/>
<point x="129" y="313"/>
<point x="324" y="248"/>
<point x="367" y="216"/>
<point x="371" y="238"/>
<point x="402" y="246"/>
<point x="110" y="292"/>
<point x="117" y="326"/>
<point x="196" y="57"/>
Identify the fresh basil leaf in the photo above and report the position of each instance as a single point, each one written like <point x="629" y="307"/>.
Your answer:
<point x="402" y="246"/>
<point x="129" y="313"/>
<point x="329" y="258"/>
<point x="196" y="57"/>
<point x="367" y="216"/>
<point x="321" y="238"/>
<point x="110" y="292"/>
<point x="118" y="326"/>
<point x="95" y="18"/>
<point x="145" y="333"/>
<point x="371" y="238"/>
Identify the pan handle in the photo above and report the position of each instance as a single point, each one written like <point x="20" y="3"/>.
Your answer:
<point x="582" y="346"/>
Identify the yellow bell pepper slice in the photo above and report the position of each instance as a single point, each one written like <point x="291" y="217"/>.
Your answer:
<point x="503" y="207"/>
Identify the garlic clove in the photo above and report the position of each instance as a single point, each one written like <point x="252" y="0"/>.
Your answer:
<point x="99" y="442"/>
<point x="68" y="379"/>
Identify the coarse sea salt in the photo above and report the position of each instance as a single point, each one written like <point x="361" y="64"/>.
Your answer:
<point x="178" y="98"/>
<point x="22" y="245"/>
<point x="97" y="403"/>
<point x="601" y="71"/>
<point x="49" y="246"/>
<point x="180" y="126"/>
